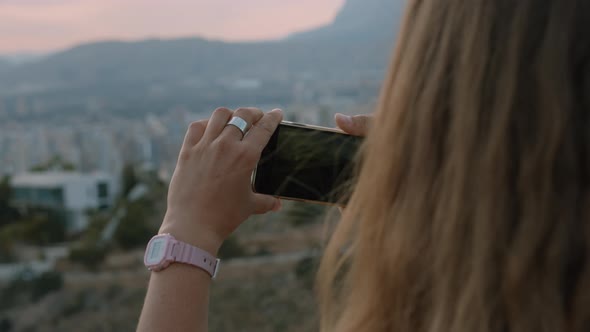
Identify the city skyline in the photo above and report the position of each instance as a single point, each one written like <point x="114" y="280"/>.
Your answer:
<point x="42" y="26"/>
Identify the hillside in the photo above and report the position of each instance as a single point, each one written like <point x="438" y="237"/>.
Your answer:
<point x="4" y="65"/>
<point x="360" y="19"/>
<point x="357" y="42"/>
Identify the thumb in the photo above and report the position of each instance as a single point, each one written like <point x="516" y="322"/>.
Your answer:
<point x="266" y="203"/>
<point x="356" y="125"/>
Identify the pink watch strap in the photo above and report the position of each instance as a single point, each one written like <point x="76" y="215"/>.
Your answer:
<point x="185" y="253"/>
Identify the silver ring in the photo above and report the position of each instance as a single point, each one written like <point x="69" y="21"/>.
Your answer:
<point x="239" y="123"/>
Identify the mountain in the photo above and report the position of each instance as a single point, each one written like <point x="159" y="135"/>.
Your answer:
<point x="4" y="65"/>
<point x="366" y="19"/>
<point x="190" y="69"/>
<point x="21" y="58"/>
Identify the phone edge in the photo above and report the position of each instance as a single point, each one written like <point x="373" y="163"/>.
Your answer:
<point x="306" y="126"/>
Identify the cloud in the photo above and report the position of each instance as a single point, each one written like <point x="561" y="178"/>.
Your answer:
<point x="51" y="24"/>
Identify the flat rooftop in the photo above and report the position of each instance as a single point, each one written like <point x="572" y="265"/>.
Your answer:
<point x="55" y="179"/>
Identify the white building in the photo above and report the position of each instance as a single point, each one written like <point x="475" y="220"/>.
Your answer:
<point x="69" y="192"/>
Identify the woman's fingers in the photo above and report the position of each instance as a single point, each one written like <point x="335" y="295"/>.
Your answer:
<point x="265" y="203"/>
<point x="217" y="122"/>
<point x="210" y="192"/>
<point x="195" y="133"/>
<point x="357" y="125"/>
<point x="261" y="132"/>
<point x="249" y="114"/>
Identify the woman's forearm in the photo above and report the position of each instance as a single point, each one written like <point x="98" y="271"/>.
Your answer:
<point x="209" y="197"/>
<point x="177" y="300"/>
<point x="178" y="297"/>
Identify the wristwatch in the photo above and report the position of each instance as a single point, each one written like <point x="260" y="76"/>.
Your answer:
<point x="164" y="249"/>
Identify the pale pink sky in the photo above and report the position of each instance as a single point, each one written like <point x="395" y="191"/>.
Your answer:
<point x="47" y="25"/>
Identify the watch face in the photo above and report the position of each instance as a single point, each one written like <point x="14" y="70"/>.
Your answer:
<point x="156" y="251"/>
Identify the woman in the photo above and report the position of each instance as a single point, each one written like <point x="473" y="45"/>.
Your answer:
<point x="471" y="211"/>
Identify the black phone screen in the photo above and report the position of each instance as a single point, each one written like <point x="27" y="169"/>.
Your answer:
<point x="307" y="164"/>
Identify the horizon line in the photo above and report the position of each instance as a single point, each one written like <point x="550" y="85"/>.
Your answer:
<point x="38" y="53"/>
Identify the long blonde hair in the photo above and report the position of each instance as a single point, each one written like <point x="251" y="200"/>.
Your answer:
<point x="471" y="211"/>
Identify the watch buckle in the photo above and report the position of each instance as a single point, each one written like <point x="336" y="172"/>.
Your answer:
<point x="218" y="261"/>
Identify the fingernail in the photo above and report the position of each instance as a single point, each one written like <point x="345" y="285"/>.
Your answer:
<point x="344" y="119"/>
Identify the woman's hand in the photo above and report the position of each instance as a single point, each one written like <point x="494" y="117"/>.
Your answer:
<point x="357" y="125"/>
<point x="210" y="194"/>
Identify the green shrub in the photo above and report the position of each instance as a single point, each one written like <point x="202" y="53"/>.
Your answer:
<point x="43" y="227"/>
<point x="263" y="251"/>
<point x="8" y="214"/>
<point x="6" y="244"/>
<point x="305" y="271"/>
<point x="46" y="283"/>
<point x="55" y="163"/>
<point x="300" y="214"/>
<point x="5" y="325"/>
<point x="28" y="287"/>
<point x="231" y="248"/>
<point x="91" y="256"/>
<point x="97" y="223"/>
<point x="6" y="254"/>
<point x="128" y="179"/>
<point x="134" y="230"/>
<point x="76" y="305"/>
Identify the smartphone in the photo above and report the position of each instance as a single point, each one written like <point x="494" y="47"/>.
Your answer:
<point x="307" y="163"/>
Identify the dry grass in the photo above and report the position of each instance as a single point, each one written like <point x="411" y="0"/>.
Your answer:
<point x="248" y="295"/>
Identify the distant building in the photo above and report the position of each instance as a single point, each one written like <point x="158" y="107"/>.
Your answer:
<point x="68" y="192"/>
<point x="245" y="84"/>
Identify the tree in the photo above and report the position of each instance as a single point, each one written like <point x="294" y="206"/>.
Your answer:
<point x="129" y="179"/>
<point x="300" y="214"/>
<point x="43" y="227"/>
<point x="231" y="248"/>
<point x="46" y="283"/>
<point x="55" y="163"/>
<point x="90" y="251"/>
<point x="5" y="325"/>
<point x="28" y="287"/>
<point x="6" y="245"/>
<point x="7" y="213"/>
<point x="134" y="230"/>
<point x="305" y="271"/>
<point x="91" y="256"/>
